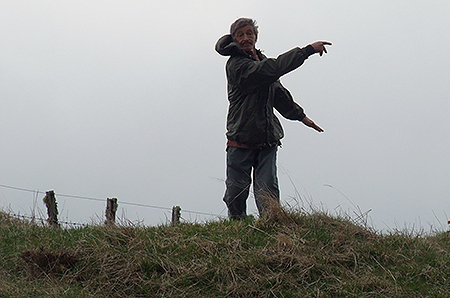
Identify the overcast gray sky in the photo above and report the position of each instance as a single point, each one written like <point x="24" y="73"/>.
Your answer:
<point x="127" y="99"/>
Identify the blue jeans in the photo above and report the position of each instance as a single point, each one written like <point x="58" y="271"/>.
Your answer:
<point x="240" y="163"/>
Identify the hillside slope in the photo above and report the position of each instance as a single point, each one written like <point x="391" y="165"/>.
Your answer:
<point x="287" y="254"/>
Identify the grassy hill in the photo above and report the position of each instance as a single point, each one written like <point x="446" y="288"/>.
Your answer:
<point x="286" y="254"/>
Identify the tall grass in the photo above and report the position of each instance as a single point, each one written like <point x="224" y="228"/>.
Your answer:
<point x="284" y="254"/>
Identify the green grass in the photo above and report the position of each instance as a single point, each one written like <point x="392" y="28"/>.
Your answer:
<point x="285" y="254"/>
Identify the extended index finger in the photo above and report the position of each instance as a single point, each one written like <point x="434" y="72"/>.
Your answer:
<point x="317" y="127"/>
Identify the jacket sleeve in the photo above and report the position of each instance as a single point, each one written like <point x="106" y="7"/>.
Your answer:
<point x="250" y="75"/>
<point x="284" y="103"/>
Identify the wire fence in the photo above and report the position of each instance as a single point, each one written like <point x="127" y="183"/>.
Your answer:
<point x="176" y="215"/>
<point x="42" y="221"/>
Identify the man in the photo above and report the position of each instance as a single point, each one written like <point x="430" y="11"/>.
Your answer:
<point x="253" y="131"/>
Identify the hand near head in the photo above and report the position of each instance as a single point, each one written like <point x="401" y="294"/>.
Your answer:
<point x="310" y="123"/>
<point x="319" y="46"/>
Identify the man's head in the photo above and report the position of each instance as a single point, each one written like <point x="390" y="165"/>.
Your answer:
<point x="245" y="32"/>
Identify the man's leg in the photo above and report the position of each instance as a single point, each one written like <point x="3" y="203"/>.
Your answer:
<point x="265" y="181"/>
<point x="239" y="167"/>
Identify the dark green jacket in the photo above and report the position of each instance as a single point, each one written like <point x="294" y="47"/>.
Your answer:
<point x="254" y="90"/>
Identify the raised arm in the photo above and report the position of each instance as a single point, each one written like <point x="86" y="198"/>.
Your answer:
<point x="250" y="74"/>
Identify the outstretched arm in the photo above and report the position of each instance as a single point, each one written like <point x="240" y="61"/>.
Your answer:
<point x="310" y="123"/>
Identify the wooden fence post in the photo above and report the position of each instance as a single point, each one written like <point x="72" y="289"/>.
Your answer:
<point x="176" y="214"/>
<point x="52" y="209"/>
<point x="111" y="208"/>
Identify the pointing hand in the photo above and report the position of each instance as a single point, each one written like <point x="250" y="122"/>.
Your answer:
<point x="310" y="123"/>
<point x="319" y="46"/>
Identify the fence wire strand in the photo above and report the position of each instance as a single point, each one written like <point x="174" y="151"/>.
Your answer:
<point x="37" y="192"/>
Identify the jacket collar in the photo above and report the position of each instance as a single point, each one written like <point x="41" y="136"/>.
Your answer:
<point x="225" y="46"/>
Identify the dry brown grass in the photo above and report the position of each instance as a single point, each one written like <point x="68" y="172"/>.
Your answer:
<point x="284" y="254"/>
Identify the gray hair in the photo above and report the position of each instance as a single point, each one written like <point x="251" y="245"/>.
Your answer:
<point x="242" y="22"/>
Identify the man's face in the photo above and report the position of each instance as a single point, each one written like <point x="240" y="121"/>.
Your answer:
<point x="246" y="38"/>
